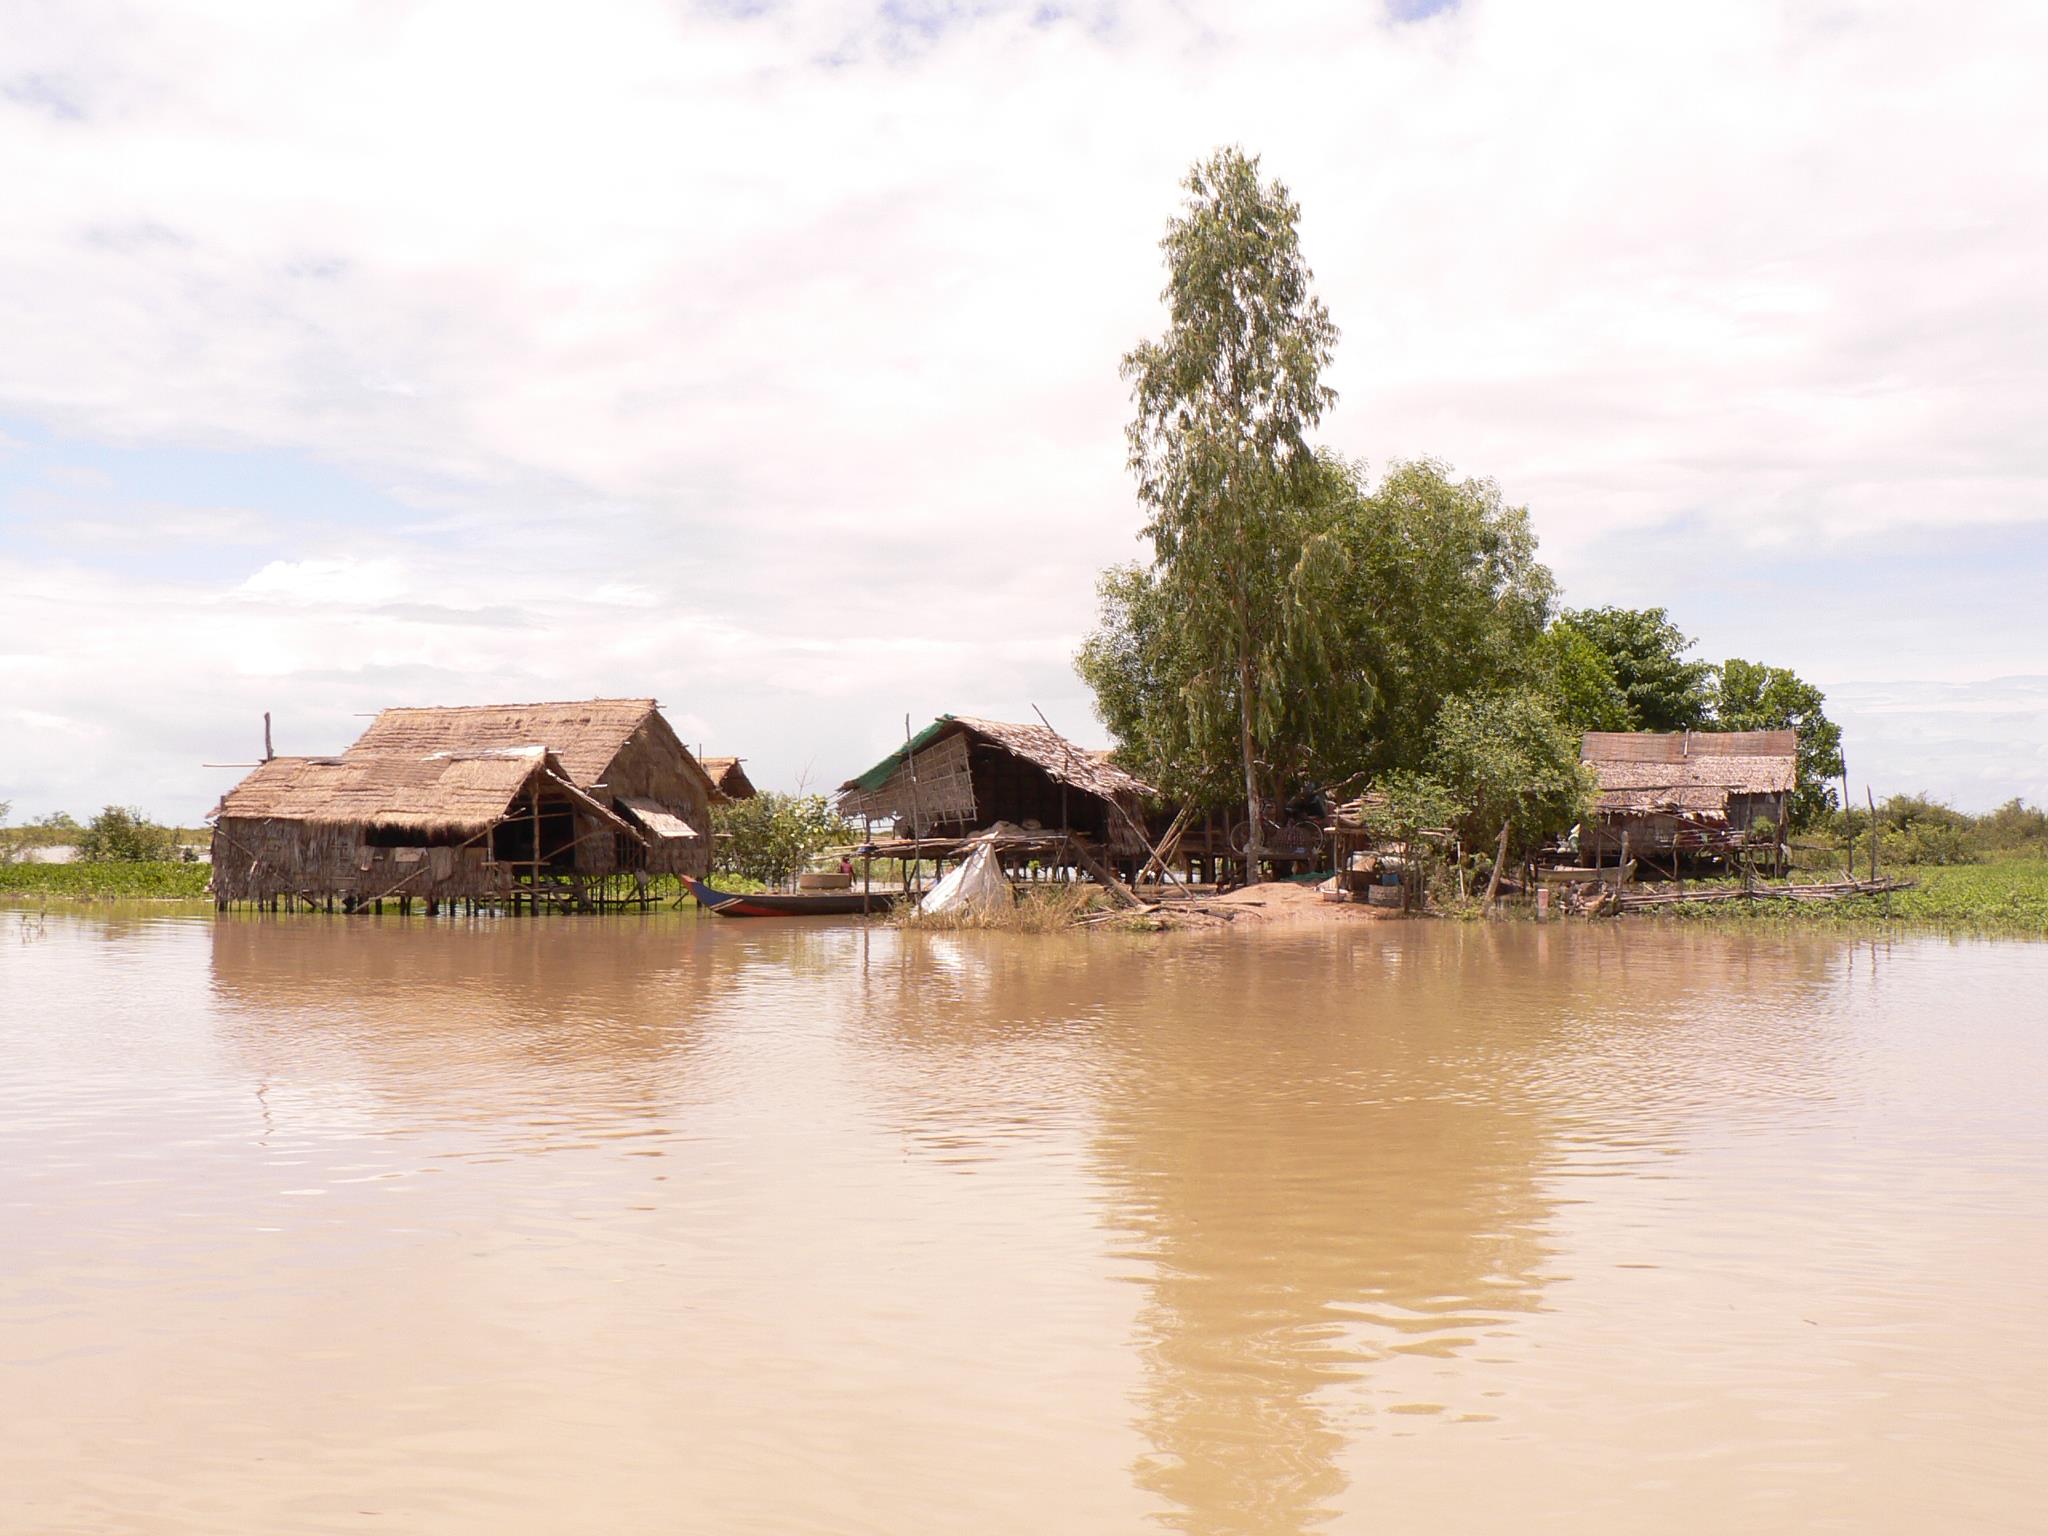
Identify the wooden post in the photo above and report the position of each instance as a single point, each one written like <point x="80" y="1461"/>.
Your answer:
<point x="267" y="753"/>
<point x="1500" y="857"/>
<point x="1872" y="802"/>
<point x="1848" y="837"/>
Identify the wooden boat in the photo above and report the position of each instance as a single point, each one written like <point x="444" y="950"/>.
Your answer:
<point x="846" y="903"/>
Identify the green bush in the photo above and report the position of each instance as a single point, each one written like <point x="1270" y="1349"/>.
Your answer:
<point x="123" y="835"/>
<point x="771" y="836"/>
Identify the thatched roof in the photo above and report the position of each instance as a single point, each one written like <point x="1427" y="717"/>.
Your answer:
<point x="728" y="777"/>
<point x="434" y="792"/>
<point x="585" y="734"/>
<point x="1690" y="799"/>
<point x="1090" y="772"/>
<point x="1688" y="770"/>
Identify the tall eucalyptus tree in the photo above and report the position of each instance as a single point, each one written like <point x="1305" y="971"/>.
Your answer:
<point x="1225" y="399"/>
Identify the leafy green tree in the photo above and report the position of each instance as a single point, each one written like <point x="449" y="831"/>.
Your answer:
<point x="1575" y="675"/>
<point x="1435" y="590"/>
<point x="1748" y="696"/>
<point x="1508" y="760"/>
<point x="1224" y="402"/>
<point x="1443" y="595"/>
<point x="1646" y="652"/>
<point x="1157" y="685"/>
<point x="772" y="836"/>
<point x="122" y="834"/>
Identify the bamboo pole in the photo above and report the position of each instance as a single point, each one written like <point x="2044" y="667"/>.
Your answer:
<point x="1136" y="830"/>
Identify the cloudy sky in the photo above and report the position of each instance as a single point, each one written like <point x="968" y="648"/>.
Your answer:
<point x="763" y="356"/>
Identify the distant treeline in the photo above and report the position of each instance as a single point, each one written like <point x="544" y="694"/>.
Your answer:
<point x="1917" y="829"/>
<point x="117" y="835"/>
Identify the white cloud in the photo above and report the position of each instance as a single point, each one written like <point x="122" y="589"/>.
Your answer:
<point x="333" y="582"/>
<point x="775" y="357"/>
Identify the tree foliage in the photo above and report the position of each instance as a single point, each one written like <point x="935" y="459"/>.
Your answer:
<point x="1576" y="676"/>
<point x="1431" y="587"/>
<point x="1507" y="758"/>
<point x="1646" y="652"/>
<point x="1224" y="402"/>
<point x="1444" y="595"/>
<point x="1407" y="806"/>
<point x="122" y="834"/>
<point x="771" y="837"/>
<point x="1748" y="696"/>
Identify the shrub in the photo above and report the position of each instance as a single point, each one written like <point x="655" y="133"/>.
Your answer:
<point x="123" y="835"/>
<point x="772" y="836"/>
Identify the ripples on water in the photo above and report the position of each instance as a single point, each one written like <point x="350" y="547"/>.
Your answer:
<point x="627" y="1224"/>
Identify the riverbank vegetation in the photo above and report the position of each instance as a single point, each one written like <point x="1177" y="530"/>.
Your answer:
<point x="107" y="880"/>
<point x="119" y="855"/>
<point x="2003" y="897"/>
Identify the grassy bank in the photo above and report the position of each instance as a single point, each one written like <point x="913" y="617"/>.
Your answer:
<point x="1038" y="909"/>
<point x="2000" y="897"/>
<point x="162" y="880"/>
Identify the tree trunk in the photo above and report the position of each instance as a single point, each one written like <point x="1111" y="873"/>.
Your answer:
<point x="1500" y="858"/>
<point x="1255" y="841"/>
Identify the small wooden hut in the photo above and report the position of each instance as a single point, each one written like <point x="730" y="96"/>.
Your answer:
<point x="371" y="827"/>
<point x="1687" y="792"/>
<point x="529" y="801"/>
<point x="728" y="777"/>
<point x="961" y="777"/>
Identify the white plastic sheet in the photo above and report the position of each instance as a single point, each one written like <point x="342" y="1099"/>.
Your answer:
<point x="976" y="885"/>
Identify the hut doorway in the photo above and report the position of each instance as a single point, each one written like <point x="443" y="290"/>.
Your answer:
<point x="541" y="834"/>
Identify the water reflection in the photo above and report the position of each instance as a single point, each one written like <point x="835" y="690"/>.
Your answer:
<point x="1330" y="1185"/>
<point x="1340" y="1168"/>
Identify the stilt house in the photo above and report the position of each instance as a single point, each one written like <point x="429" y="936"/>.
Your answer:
<point x="481" y="802"/>
<point x="960" y="776"/>
<point x="1687" y="791"/>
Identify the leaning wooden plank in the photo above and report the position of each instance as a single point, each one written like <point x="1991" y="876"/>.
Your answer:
<point x="1104" y="876"/>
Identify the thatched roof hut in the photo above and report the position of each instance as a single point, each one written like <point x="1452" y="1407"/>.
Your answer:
<point x="1687" y="789"/>
<point x="728" y="777"/>
<point x="374" y="825"/>
<point x="961" y="774"/>
<point x="619" y="751"/>
<point x="470" y="801"/>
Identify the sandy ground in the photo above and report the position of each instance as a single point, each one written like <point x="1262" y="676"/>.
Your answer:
<point x="1275" y="903"/>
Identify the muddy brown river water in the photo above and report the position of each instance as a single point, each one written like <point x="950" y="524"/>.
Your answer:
<point x="668" y="1225"/>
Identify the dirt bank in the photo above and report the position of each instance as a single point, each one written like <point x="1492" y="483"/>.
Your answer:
<point x="1277" y="903"/>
